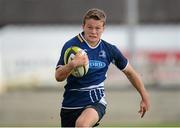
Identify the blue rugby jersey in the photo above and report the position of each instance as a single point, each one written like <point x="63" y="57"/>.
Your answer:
<point x="80" y="92"/>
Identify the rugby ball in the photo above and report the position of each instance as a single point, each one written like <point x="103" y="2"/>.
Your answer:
<point x="69" y="55"/>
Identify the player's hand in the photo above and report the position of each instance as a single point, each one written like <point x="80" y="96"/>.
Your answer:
<point x="144" y="106"/>
<point x="80" y="59"/>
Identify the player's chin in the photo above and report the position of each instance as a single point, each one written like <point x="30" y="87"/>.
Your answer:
<point x="94" y="40"/>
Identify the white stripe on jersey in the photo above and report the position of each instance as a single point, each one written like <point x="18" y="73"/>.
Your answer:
<point x="101" y="94"/>
<point x="99" y="86"/>
<point x="91" y="96"/>
<point x="102" y="101"/>
<point x="125" y="66"/>
<point x="96" y="94"/>
<point x="93" y="90"/>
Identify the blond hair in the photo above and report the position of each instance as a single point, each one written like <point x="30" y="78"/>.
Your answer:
<point x="95" y="14"/>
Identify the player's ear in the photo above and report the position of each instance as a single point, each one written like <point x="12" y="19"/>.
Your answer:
<point x="83" y="25"/>
<point x="103" y="27"/>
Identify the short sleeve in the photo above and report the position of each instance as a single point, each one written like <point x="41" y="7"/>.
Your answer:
<point x="61" y="59"/>
<point x="118" y="58"/>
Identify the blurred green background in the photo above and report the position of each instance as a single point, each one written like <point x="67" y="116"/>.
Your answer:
<point x="32" y="34"/>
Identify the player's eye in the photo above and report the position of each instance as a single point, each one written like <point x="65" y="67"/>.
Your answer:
<point x="90" y="27"/>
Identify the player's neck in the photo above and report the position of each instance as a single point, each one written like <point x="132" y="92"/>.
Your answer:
<point x="93" y="44"/>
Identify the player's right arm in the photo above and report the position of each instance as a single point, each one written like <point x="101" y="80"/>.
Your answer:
<point x="63" y="71"/>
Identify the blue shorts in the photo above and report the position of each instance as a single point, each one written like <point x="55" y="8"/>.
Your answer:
<point x="69" y="116"/>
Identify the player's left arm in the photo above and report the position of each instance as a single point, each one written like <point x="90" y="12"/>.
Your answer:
<point x="136" y="81"/>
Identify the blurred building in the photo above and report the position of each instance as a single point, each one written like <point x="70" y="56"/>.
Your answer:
<point x="71" y="12"/>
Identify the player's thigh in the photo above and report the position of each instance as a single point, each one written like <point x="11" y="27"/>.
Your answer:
<point x="88" y="117"/>
<point x="69" y="117"/>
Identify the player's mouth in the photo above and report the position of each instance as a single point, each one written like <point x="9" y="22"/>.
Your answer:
<point x="93" y="37"/>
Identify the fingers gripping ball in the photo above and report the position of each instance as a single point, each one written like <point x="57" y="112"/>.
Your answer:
<point x="69" y="55"/>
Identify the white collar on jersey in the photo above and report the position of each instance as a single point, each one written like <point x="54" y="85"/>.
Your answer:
<point x="88" y="43"/>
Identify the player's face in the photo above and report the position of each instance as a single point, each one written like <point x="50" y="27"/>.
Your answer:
<point x="93" y="30"/>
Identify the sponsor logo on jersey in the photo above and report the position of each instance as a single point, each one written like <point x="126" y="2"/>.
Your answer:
<point x="102" y="54"/>
<point x="96" y="64"/>
<point x="85" y="50"/>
